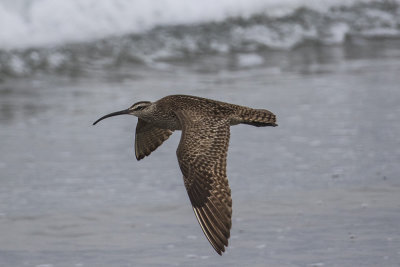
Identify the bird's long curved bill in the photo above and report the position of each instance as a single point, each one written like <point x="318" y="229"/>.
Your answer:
<point x="125" y="111"/>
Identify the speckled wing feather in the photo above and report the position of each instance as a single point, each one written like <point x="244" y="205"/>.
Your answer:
<point x="202" y="154"/>
<point x="148" y="138"/>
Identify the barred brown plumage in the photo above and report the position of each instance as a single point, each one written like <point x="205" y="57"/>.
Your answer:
<point x="202" y="151"/>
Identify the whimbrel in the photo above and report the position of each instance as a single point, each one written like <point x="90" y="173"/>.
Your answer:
<point x="201" y="153"/>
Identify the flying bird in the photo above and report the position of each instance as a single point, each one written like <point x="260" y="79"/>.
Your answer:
<point x="201" y="153"/>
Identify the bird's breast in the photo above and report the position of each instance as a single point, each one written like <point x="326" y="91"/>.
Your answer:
<point x="165" y="122"/>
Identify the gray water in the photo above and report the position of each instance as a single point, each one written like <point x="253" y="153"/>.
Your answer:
<point x="322" y="189"/>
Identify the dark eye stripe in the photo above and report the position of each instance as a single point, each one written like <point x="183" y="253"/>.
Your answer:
<point x="139" y="107"/>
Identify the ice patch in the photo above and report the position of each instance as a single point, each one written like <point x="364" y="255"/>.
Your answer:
<point x="288" y="35"/>
<point x="17" y="65"/>
<point x="338" y="33"/>
<point x="55" y="60"/>
<point x="249" y="60"/>
<point x="381" y="32"/>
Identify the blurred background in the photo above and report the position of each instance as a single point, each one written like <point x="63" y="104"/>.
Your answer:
<point x="322" y="189"/>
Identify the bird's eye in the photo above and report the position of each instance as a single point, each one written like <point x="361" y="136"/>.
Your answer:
<point x="138" y="108"/>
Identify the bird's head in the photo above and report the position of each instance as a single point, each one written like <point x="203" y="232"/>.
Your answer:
<point x="139" y="109"/>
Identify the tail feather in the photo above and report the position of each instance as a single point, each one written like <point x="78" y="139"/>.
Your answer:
<point x="258" y="117"/>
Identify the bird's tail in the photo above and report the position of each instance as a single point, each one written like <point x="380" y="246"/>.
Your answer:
<point x="257" y="117"/>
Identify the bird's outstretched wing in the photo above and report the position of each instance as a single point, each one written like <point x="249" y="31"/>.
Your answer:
<point x="148" y="138"/>
<point x="202" y="154"/>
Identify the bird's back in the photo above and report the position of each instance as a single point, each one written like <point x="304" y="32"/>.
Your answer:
<point x="203" y="108"/>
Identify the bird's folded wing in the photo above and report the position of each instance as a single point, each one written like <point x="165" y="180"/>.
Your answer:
<point x="202" y="154"/>
<point x="148" y="138"/>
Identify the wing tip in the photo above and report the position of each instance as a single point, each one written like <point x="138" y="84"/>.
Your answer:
<point x="218" y="248"/>
<point x="139" y="156"/>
